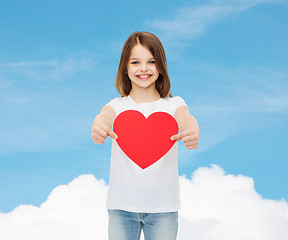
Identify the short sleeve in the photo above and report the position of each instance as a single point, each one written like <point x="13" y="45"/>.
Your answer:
<point x="178" y="101"/>
<point x="115" y="104"/>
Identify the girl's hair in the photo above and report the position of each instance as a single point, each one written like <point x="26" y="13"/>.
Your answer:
<point x="153" y="44"/>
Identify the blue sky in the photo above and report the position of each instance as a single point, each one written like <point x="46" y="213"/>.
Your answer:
<point x="227" y="59"/>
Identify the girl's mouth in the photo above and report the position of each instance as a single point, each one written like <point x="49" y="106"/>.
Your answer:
<point x="146" y="76"/>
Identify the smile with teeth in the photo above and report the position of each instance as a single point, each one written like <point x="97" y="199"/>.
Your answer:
<point x="144" y="76"/>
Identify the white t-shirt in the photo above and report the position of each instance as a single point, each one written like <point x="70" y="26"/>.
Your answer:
<point x="154" y="188"/>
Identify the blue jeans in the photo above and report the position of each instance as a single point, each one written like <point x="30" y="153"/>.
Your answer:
<point x="156" y="226"/>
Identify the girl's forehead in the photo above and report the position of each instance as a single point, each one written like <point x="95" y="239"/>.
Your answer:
<point x="140" y="51"/>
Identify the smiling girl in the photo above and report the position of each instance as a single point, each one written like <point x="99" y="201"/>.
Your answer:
<point x="144" y="194"/>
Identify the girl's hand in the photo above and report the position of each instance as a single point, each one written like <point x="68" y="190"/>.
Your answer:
<point x="189" y="137"/>
<point x="100" y="132"/>
<point x="102" y="125"/>
<point x="189" y="128"/>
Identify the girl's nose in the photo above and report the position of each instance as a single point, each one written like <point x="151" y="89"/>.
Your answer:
<point x="143" y="67"/>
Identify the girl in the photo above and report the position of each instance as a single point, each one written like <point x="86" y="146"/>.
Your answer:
<point x="143" y="185"/>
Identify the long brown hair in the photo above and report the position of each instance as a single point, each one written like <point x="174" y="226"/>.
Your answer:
<point x="153" y="44"/>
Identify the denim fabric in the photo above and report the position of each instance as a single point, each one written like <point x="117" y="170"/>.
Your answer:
<point x="156" y="226"/>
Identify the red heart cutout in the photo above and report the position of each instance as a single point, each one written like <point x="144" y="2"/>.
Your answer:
<point x="143" y="140"/>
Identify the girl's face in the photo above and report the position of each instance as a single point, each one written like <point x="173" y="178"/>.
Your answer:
<point x="141" y="68"/>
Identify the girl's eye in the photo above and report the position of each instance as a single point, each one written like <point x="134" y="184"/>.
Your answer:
<point x="152" y="62"/>
<point x="135" y="62"/>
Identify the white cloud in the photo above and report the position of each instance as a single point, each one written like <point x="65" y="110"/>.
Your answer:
<point x="215" y="206"/>
<point x="56" y="69"/>
<point x="220" y="206"/>
<point x="193" y="21"/>
<point x="234" y="100"/>
<point x="244" y="4"/>
<point x="73" y="211"/>
<point x="51" y="97"/>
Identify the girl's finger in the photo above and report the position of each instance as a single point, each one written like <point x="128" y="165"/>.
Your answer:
<point x="98" y="139"/>
<point x="112" y="134"/>
<point x="176" y="137"/>
<point x="193" y="147"/>
<point x="189" y="143"/>
<point x="100" y="132"/>
<point x="189" y="138"/>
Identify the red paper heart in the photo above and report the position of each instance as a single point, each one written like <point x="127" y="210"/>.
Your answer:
<point x="143" y="140"/>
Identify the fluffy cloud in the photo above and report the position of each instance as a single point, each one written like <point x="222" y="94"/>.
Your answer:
<point x="215" y="206"/>
<point x="73" y="211"/>
<point x="51" y="70"/>
<point x="220" y="206"/>
<point x="193" y="21"/>
<point x="46" y="94"/>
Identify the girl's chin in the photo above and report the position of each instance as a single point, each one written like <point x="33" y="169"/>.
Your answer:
<point x="143" y="84"/>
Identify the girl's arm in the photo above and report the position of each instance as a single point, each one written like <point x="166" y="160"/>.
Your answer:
<point x="188" y="126"/>
<point x="102" y="125"/>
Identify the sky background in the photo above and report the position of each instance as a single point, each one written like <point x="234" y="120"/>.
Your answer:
<point x="58" y="61"/>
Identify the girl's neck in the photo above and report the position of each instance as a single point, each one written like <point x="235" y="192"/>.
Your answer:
<point x="144" y="96"/>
